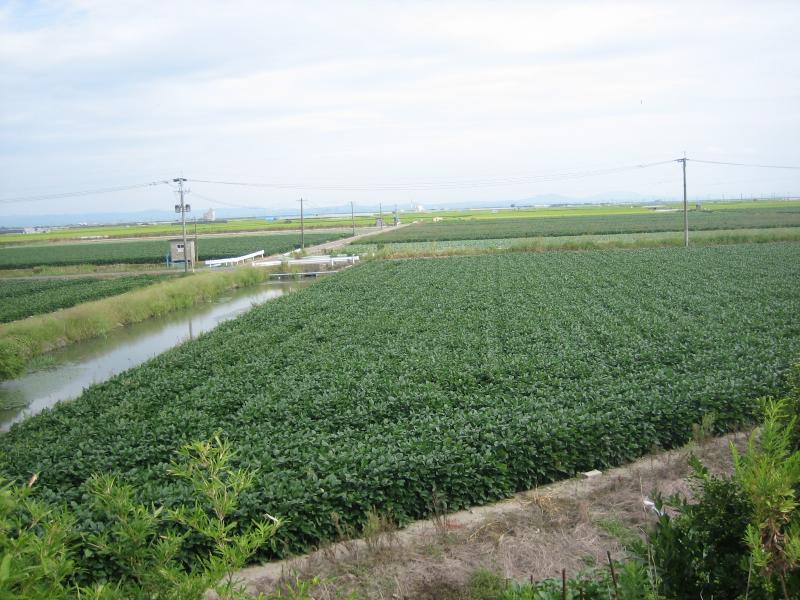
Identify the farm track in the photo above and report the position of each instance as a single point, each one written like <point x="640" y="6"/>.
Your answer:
<point x="104" y="275"/>
<point x="332" y="245"/>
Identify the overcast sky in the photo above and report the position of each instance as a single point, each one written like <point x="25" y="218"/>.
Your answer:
<point x="452" y="97"/>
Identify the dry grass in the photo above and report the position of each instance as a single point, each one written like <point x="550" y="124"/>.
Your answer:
<point x="568" y="525"/>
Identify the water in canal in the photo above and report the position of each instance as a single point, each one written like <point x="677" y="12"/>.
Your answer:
<point x="73" y="368"/>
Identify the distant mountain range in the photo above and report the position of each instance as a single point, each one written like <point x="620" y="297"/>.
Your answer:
<point x="152" y="216"/>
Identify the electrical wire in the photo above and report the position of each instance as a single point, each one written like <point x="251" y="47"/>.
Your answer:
<point x="399" y="186"/>
<point x="108" y="190"/>
<point x="224" y="203"/>
<point x="440" y="185"/>
<point x="735" y="164"/>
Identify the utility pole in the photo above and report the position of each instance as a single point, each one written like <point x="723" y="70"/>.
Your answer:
<point x="182" y="208"/>
<point x="194" y="249"/>
<point x="380" y="212"/>
<point x="302" y="228"/>
<point x="353" y="218"/>
<point x="685" y="205"/>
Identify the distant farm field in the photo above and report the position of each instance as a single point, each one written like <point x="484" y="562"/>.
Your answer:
<point x="151" y="251"/>
<point x="20" y="298"/>
<point x="763" y="235"/>
<point x="465" y="378"/>
<point x="600" y="224"/>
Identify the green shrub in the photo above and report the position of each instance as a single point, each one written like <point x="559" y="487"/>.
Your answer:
<point x="769" y="474"/>
<point x="38" y="543"/>
<point x="700" y="552"/>
<point x="742" y="536"/>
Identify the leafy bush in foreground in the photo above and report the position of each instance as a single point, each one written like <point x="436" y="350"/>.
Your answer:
<point x="474" y="377"/>
<point x="701" y="552"/>
<point x="741" y="536"/>
<point x="39" y="544"/>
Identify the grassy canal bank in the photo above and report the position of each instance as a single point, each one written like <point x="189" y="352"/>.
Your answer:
<point x="23" y="340"/>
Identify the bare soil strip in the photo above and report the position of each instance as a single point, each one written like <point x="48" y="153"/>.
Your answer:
<point x="533" y="535"/>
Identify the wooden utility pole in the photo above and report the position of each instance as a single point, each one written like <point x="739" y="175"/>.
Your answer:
<point x="194" y="248"/>
<point x="302" y="228"/>
<point x="182" y="208"/>
<point x="685" y="206"/>
<point x="380" y="212"/>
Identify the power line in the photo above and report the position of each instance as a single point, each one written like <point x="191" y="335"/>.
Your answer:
<point x="735" y="164"/>
<point x="396" y="186"/>
<point x="108" y="190"/>
<point x="438" y="185"/>
<point x="225" y="203"/>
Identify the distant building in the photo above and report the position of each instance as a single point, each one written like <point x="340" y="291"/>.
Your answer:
<point x="419" y="208"/>
<point x="210" y="215"/>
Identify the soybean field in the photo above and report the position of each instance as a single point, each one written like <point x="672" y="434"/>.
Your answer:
<point x="464" y="378"/>
<point x="20" y="298"/>
<point x="600" y="224"/>
<point x="151" y="251"/>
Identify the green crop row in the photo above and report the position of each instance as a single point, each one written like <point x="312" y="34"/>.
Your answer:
<point x="465" y="379"/>
<point x="20" y="298"/>
<point x="152" y="251"/>
<point x="474" y="229"/>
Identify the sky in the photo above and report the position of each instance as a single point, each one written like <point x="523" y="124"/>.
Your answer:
<point x="403" y="102"/>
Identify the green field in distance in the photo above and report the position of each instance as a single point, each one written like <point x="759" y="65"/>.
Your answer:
<point x="152" y="251"/>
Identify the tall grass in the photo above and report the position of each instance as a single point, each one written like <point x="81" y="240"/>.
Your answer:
<point x="21" y="341"/>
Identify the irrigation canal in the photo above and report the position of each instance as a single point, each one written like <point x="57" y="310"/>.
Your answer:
<point x="71" y="369"/>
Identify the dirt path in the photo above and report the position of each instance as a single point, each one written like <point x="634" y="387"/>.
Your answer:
<point x="95" y="275"/>
<point x="534" y="534"/>
<point x="321" y="248"/>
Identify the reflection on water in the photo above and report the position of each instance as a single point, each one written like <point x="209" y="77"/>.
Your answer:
<point x="75" y="367"/>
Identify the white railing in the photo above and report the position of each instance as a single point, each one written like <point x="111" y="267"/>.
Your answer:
<point x="219" y="262"/>
<point x="331" y="261"/>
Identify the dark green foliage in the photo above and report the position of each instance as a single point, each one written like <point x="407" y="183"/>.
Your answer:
<point x="474" y="377"/>
<point x="702" y="552"/>
<point x="152" y="251"/>
<point x="482" y="229"/>
<point x="20" y="298"/>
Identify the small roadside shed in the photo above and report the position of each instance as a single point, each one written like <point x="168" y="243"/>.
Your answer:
<point x="177" y="253"/>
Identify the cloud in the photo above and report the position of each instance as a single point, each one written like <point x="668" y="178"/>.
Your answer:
<point x="102" y="92"/>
